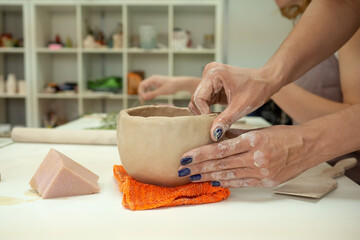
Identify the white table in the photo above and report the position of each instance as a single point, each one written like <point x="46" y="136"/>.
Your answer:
<point x="246" y="214"/>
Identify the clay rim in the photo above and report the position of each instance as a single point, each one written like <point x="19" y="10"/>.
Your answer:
<point x="127" y="111"/>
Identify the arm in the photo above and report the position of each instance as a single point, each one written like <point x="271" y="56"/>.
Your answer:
<point x="303" y="105"/>
<point x="158" y="85"/>
<point x="270" y="156"/>
<point x="324" y="27"/>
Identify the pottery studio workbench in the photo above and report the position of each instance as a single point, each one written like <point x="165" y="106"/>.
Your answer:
<point x="246" y="214"/>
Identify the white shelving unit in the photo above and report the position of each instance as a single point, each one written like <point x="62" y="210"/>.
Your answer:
<point x="44" y="19"/>
<point x="15" y="108"/>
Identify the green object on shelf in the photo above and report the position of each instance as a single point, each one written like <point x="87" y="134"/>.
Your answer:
<point x="107" y="84"/>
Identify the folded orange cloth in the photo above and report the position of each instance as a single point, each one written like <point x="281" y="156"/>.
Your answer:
<point x="142" y="196"/>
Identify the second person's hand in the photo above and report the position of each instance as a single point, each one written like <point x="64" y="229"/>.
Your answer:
<point x="154" y="86"/>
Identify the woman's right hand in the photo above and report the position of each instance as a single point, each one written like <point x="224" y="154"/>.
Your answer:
<point x="156" y="85"/>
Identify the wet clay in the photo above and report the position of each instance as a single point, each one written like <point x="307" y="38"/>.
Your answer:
<point x="152" y="140"/>
<point x="5" y="201"/>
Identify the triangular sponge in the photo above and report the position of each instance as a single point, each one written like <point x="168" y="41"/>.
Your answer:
<point x="60" y="176"/>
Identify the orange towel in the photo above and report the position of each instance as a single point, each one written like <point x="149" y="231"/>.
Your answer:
<point x="142" y="196"/>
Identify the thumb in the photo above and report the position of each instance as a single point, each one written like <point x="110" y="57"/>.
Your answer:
<point x="222" y="123"/>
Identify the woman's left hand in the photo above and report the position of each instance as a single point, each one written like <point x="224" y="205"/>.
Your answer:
<point x="263" y="157"/>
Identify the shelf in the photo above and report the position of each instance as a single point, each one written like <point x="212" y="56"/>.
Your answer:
<point x="57" y="95"/>
<point x="39" y="65"/>
<point x="141" y="50"/>
<point x="61" y="50"/>
<point x="101" y="50"/>
<point x="52" y="20"/>
<point x="101" y="95"/>
<point x="195" y="51"/>
<point x="16" y="95"/>
<point x="11" y="50"/>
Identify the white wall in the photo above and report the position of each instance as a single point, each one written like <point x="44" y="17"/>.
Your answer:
<point x="253" y="30"/>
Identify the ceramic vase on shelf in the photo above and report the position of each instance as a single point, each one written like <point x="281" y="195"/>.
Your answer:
<point x="2" y="84"/>
<point x="11" y="84"/>
<point x="147" y="36"/>
<point x="22" y="87"/>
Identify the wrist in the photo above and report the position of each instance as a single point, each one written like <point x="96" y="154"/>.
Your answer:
<point x="273" y="76"/>
<point x="314" y="144"/>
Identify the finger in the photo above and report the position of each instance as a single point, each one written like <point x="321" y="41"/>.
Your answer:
<point x="237" y="183"/>
<point x="223" y="122"/>
<point x="193" y="109"/>
<point x="234" y="132"/>
<point x="217" y="165"/>
<point x="237" y="173"/>
<point x="213" y="151"/>
<point x="202" y="96"/>
<point x="154" y="93"/>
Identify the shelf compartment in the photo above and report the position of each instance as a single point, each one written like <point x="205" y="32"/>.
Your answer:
<point x="12" y="63"/>
<point x="11" y="21"/>
<point x="199" y="20"/>
<point x="65" y="109"/>
<point x="12" y="110"/>
<point x="16" y="95"/>
<point x="191" y="65"/>
<point x="98" y="66"/>
<point x="51" y="20"/>
<point x="102" y="106"/>
<point x="58" y="68"/>
<point x="149" y="63"/>
<point x="156" y="15"/>
<point x="103" y="17"/>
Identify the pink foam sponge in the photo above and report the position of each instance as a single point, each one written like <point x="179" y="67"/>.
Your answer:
<point x="60" y="176"/>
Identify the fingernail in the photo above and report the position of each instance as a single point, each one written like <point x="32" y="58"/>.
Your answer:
<point x="215" y="184"/>
<point x="184" y="172"/>
<point x="186" y="160"/>
<point x="195" y="177"/>
<point x="218" y="133"/>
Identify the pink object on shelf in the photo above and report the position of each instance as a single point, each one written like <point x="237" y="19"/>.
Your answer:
<point x="55" y="46"/>
<point x="60" y="176"/>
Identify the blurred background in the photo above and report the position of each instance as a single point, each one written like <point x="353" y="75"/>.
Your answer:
<point x="63" y="59"/>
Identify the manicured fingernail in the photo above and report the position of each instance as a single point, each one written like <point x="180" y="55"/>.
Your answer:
<point x="218" y="133"/>
<point x="184" y="172"/>
<point x="215" y="184"/>
<point x="186" y="160"/>
<point x="195" y="177"/>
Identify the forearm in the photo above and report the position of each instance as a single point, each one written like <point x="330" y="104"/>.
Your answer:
<point x="324" y="27"/>
<point x="185" y="83"/>
<point x="332" y="135"/>
<point x="302" y="105"/>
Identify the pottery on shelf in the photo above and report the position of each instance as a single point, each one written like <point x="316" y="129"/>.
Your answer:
<point x="11" y="84"/>
<point x="152" y="140"/>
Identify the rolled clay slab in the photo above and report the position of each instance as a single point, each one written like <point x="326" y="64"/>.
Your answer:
<point x="152" y="140"/>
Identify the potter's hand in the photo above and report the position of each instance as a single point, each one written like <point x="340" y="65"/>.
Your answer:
<point x="265" y="157"/>
<point x="154" y="86"/>
<point x="244" y="90"/>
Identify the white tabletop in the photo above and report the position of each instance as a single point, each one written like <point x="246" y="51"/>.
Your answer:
<point x="246" y="214"/>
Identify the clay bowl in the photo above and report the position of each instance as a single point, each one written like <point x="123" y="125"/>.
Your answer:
<point x="152" y="140"/>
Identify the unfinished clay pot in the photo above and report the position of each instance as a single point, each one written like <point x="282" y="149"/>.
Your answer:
<point x="152" y="140"/>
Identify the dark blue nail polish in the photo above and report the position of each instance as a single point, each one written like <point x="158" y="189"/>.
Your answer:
<point x="186" y="160"/>
<point x="215" y="184"/>
<point x="184" y="172"/>
<point x="195" y="177"/>
<point x="218" y="133"/>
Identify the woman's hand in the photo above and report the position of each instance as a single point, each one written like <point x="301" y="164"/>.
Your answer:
<point x="263" y="157"/>
<point x="244" y="90"/>
<point x="156" y="85"/>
